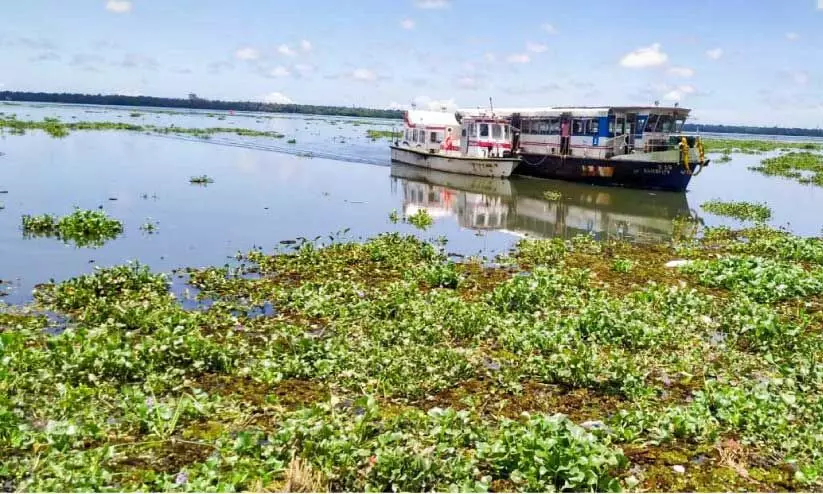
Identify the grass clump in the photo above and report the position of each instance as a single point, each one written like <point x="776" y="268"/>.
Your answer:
<point x="201" y="180"/>
<point x="805" y="167"/>
<point x="421" y="219"/>
<point x="149" y="227"/>
<point x="382" y="134"/>
<point x="740" y="210"/>
<point x="754" y="146"/>
<point x="84" y="228"/>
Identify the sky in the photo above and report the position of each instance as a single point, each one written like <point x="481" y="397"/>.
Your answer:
<point x="752" y="62"/>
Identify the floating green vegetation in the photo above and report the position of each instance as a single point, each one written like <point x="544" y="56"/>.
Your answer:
<point x="725" y="157"/>
<point x="805" y="167"/>
<point x="552" y="195"/>
<point x="150" y="227"/>
<point x="386" y="366"/>
<point x="421" y="219"/>
<point x="754" y="146"/>
<point x="740" y="210"/>
<point x="84" y="228"/>
<point x="135" y="114"/>
<point x="394" y="216"/>
<point x="201" y="180"/>
<point x="383" y="134"/>
<point x="55" y="128"/>
<point x="292" y="141"/>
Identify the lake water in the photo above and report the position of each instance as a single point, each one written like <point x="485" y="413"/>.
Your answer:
<point x="266" y="191"/>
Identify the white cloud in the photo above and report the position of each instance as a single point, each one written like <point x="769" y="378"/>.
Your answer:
<point x="304" y="68"/>
<point x="536" y="47"/>
<point x="518" y="58"/>
<point x="800" y="77"/>
<point x="277" y="98"/>
<point x="648" y="56"/>
<point x="119" y="6"/>
<point x="247" y="53"/>
<point x="680" y="71"/>
<point x="407" y="24"/>
<point x="428" y="103"/>
<point x="364" y="75"/>
<point x="305" y="45"/>
<point x="678" y="93"/>
<point x="819" y="4"/>
<point x="467" y="83"/>
<point x="714" y="53"/>
<point x="285" y="50"/>
<point x="432" y="4"/>
<point x="490" y="57"/>
<point x="279" y="71"/>
<point x="549" y="28"/>
<point x="792" y="36"/>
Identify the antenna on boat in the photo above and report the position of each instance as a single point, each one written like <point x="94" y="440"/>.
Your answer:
<point x="491" y="105"/>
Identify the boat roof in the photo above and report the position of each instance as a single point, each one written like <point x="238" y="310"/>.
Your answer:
<point x="427" y="118"/>
<point x="577" y="111"/>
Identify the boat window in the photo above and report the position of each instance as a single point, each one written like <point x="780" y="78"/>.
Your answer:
<point x="611" y="125"/>
<point x="678" y="125"/>
<point x="506" y="132"/>
<point x="665" y="124"/>
<point x="525" y="126"/>
<point x="484" y="130"/>
<point x="435" y="138"/>
<point x="578" y="126"/>
<point x="554" y="126"/>
<point x="463" y="131"/>
<point x="594" y="127"/>
<point x="542" y="127"/>
<point x="497" y="131"/>
<point x="651" y="123"/>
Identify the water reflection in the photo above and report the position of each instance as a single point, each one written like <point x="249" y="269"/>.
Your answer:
<point x="518" y="206"/>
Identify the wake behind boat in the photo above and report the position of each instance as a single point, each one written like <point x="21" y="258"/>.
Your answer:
<point x="479" y="145"/>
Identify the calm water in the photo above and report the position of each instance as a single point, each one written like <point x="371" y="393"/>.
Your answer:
<point x="262" y="195"/>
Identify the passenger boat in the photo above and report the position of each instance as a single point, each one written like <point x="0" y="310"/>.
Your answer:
<point x="638" y="147"/>
<point x="480" y="144"/>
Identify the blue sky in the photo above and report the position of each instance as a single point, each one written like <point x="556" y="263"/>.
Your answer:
<point x="733" y="61"/>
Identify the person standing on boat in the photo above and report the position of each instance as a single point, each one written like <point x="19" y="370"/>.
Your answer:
<point x="565" y="136"/>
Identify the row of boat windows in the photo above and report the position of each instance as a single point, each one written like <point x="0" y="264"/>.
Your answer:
<point x="419" y="135"/>
<point x="591" y="126"/>
<point x="498" y="131"/>
<point x="552" y="126"/>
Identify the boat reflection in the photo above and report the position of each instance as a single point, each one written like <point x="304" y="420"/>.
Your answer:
<point x="518" y="205"/>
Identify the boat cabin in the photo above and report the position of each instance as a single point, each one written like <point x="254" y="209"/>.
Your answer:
<point x="430" y="131"/>
<point x="602" y="132"/>
<point x="485" y="135"/>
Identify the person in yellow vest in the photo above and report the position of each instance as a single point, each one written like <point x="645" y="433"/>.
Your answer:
<point x="684" y="153"/>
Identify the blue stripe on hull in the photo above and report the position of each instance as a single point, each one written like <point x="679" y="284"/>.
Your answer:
<point x="635" y="174"/>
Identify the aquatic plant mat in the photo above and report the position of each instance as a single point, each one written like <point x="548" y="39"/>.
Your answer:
<point x="385" y="365"/>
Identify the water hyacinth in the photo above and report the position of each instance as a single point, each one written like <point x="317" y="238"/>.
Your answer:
<point x="84" y="228"/>
<point x="386" y="365"/>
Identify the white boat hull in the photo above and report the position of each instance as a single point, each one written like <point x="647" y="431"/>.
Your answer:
<point x="482" y="167"/>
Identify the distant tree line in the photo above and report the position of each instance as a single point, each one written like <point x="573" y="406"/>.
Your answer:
<point x="745" y="129"/>
<point x="194" y="102"/>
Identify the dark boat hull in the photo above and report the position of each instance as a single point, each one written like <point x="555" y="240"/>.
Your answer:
<point x="624" y="173"/>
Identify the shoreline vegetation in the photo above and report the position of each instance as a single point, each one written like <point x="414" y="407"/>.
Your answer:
<point x="195" y="102"/>
<point x="387" y="365"/>
<point x="55" y="128"/>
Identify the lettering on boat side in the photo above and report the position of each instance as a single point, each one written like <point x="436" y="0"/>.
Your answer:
<point x="659" y="170"/>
